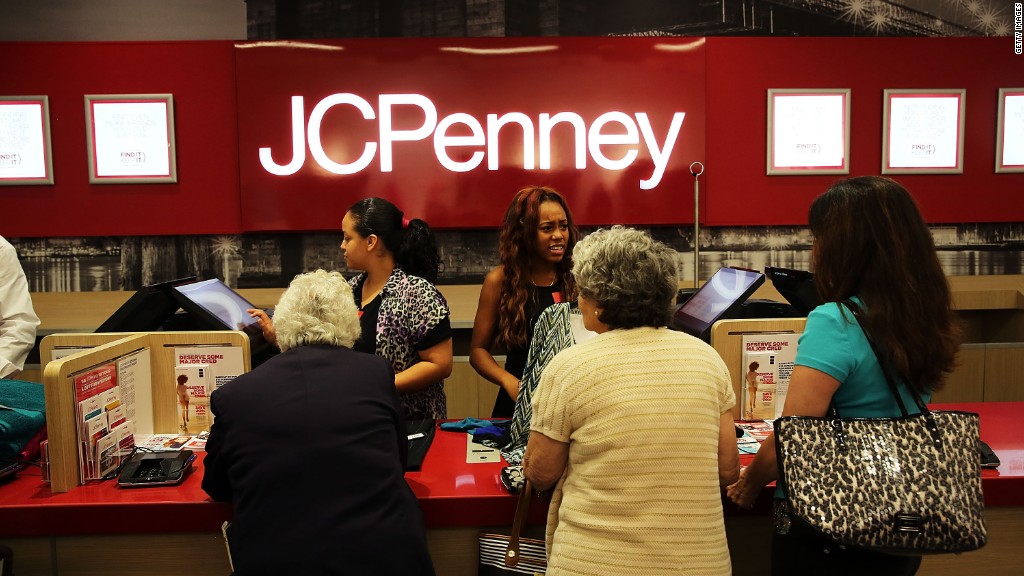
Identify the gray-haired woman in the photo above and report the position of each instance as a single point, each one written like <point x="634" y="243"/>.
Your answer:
<point x="310" y="448"/>
<point x="633" y="428"/>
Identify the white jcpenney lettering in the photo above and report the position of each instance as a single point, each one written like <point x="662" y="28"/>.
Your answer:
<point x="628" y="133"/>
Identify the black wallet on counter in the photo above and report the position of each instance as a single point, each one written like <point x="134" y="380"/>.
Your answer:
<point x="421" y="434"/>
<point x="988" y="457"/>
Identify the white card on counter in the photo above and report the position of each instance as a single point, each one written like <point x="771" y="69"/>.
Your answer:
<point x="476" y="453"/>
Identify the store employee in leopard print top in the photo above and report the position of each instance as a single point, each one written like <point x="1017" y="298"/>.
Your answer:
<point x="402" y="315"/>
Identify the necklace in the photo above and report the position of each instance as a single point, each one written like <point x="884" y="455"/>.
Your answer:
<point x="367" y="295"/>
<point x="541" y="285"/>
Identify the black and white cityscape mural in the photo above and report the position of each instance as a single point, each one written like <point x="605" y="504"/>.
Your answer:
<point x="288" y="19"/>
<point x="270" y="261"/>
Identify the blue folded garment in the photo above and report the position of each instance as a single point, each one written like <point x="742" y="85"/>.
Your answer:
<point x="22" y="394"/>
<point x="496" y="436"/>
<point x="17" y="424"/>
<point x="22" y="410"/>
<point x="465" y="425"/>
<point x="9" y="450"/>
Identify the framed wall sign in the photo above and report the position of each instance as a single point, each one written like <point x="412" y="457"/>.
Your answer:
<point x="808" y="131"/>
<point x="1010" y="131"/>
<point x="130" y="138"/>
<point x="923" y="132"/>
<point x="25" y="156"/>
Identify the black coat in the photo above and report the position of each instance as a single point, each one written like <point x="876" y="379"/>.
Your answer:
<point x="310" y="449"/>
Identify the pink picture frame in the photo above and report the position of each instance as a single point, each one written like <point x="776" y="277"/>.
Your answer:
<point x="923" y="131"/>
<point x="808" y="131"/>
<point x="1010" y="131"/>
<point x="130" y="138"/>
<point x="25" y="153"/>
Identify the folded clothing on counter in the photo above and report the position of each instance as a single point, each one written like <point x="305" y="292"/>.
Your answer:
<point x="22" y="414"/>
<point x="496" y="436"/>
<point x="466" y="425"/>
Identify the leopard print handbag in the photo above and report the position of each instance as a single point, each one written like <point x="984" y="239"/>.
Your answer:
<point x="904" y="485"/>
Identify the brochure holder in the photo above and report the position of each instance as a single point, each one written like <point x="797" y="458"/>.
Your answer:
<point x="156" y="386"/>
<point x="727" y="340"/>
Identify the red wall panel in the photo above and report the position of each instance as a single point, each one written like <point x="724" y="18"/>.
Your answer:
<point x="741" y="70"/>
<point x="723" y="90"/>
<point x="200" y="75"/>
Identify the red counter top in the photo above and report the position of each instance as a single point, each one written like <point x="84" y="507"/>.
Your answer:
<point x="454" y="493"/>
<point x="28" y="508"/>
<point x="1002" y="428"/>
<point x="451" y="492"/>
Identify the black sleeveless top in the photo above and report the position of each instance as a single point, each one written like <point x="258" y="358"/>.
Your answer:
<point x="539" y="298"/>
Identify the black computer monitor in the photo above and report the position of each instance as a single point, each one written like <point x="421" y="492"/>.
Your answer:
<point x="796" y="286"/>
<point x="147" y="310"/>
<point x="720" y="297"/>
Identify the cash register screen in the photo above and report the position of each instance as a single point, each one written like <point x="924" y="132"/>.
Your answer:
<point x="220" y="301"/>
<point x="720" y="296"/>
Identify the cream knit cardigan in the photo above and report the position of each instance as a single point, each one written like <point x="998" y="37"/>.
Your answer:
<point x="640" y="409"/>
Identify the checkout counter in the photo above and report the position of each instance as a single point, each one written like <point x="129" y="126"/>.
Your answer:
<point x="100" y="528"/>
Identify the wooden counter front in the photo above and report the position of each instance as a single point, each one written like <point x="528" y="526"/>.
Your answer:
<point x="84" y="311"/>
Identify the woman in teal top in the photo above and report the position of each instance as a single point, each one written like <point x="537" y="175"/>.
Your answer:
<point x="834" y="343"/>
<point x="872" y="252"/>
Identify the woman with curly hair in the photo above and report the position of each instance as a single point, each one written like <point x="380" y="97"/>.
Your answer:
<point x="535" y="244"/>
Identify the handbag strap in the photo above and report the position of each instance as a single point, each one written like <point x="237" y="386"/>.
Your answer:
<point x="921" y="406"/>
<point x="522" y="509"/>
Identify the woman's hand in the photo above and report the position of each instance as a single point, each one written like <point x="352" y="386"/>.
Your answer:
<point x="742" y="493"/>
<point x="511" y="386"/>
<point x="265" y="323"/>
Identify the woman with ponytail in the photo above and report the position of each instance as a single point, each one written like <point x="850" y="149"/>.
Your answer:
<point x="535" y="248"/>
<point x="403" y="316"/>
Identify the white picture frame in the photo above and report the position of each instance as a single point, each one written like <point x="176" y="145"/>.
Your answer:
<point x="808" y="131"/>
<point x="25" y="153"/>
<point x="130" y="138"/>
<point x="923" y="131"/>
<point x="1010" y="131"/>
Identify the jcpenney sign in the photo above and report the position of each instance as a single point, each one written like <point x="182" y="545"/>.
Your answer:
<point x="449" y="130"/>
<point x="630" y="132"/>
